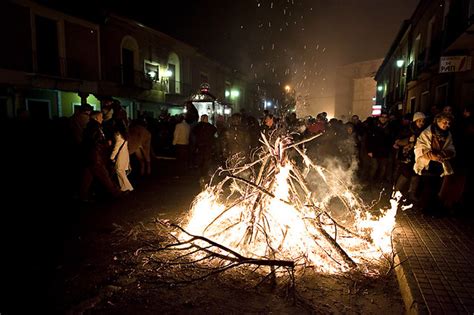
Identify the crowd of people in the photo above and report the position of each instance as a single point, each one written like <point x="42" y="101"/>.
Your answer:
<point x="426" y="156"/>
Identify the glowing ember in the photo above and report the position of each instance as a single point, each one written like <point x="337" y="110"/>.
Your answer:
<point x="267" y="218"/>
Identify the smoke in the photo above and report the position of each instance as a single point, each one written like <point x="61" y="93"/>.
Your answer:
<point x="338" y="166"/>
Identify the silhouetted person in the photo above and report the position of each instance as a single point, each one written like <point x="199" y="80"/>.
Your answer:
<point x="96" y="159"/>
<point x="204" y="136"/>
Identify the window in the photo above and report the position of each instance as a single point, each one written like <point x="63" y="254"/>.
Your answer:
<point x="174" y="65"/>
<point x="172" y="78"/>
<point x="429" y="34"/>
<point x="127" y="67"/>
<point x="129" y="59"/>
<point x="152" y="70"/>
<point x="47" y="49"/>
<point x="416" y="47"/>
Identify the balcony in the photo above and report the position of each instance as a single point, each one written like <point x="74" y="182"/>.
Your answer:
<point x="48" y="64"/>
<point x="180" y="94"/>
<point x="129" y="77"/>
<point x="79" y="70"/>
<point x="176" y="87"/>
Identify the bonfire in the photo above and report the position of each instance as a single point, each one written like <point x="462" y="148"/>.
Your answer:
<point x="267" y="212"/>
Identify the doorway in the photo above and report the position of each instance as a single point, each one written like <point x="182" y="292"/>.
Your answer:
<point x="39" y="110"/>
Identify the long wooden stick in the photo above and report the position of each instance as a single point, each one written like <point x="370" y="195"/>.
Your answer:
<point x="238" y="258"/>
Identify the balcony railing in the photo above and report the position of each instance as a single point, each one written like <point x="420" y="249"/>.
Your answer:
<point x="65" y="68"/>
<point x="180" y="88"/>
<point x="78" y="70"/>
<point x="128" y="77"/>
<point x="48" y="65"/>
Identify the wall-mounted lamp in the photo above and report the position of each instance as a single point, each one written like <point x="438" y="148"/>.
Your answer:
<point x="234" y="93"/>
<point x="400" y="63"/>
<point x="168" y="73"/>
<point x="380" y="88"/>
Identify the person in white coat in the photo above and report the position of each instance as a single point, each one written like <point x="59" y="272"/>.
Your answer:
<point x="434" y="149"/>
<point x="121" y="158"/>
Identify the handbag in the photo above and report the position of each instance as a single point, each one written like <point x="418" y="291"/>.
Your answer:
<point x="115" y="160"/>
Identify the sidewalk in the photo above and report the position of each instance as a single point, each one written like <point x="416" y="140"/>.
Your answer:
<point x="435" y="263"/>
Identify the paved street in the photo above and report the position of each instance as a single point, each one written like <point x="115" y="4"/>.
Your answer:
<point x="437" y="259"/>
<point x="42" y="231"/>
<point x="53" y="240"/>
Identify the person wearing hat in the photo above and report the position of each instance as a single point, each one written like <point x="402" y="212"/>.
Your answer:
<point x="405" y="144"/>
<point x="419" y="116"/>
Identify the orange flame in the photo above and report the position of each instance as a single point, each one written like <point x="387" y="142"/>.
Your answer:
<point x="282" y="229"/>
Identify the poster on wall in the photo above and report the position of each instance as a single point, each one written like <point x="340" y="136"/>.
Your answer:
<point x="454" y="64"/>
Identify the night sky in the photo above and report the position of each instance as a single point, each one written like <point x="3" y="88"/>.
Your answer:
<point x="298" y="42"/>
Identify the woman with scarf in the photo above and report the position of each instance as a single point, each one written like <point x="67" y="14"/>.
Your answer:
<point x="433" y="150"/>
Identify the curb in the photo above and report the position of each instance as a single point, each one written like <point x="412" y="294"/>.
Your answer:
<point x="411" y="295"/>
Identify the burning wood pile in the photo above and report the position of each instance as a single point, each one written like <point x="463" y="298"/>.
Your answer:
<point x="266" y="213"/>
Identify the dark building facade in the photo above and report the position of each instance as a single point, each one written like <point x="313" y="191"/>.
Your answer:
<point x="430" y="61"/>
<point x="52" y="62"/>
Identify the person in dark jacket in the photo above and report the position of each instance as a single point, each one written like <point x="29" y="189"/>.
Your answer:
<point x="204" y="136"/>
<point x="379" y="148"/>
<point x="96" y="159"/>
<point x="192" y="114"/>
<point x="405" y="144"/>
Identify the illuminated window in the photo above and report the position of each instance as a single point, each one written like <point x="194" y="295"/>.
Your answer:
<point x="152" y="70"/>
<point x="376" y="110"/>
